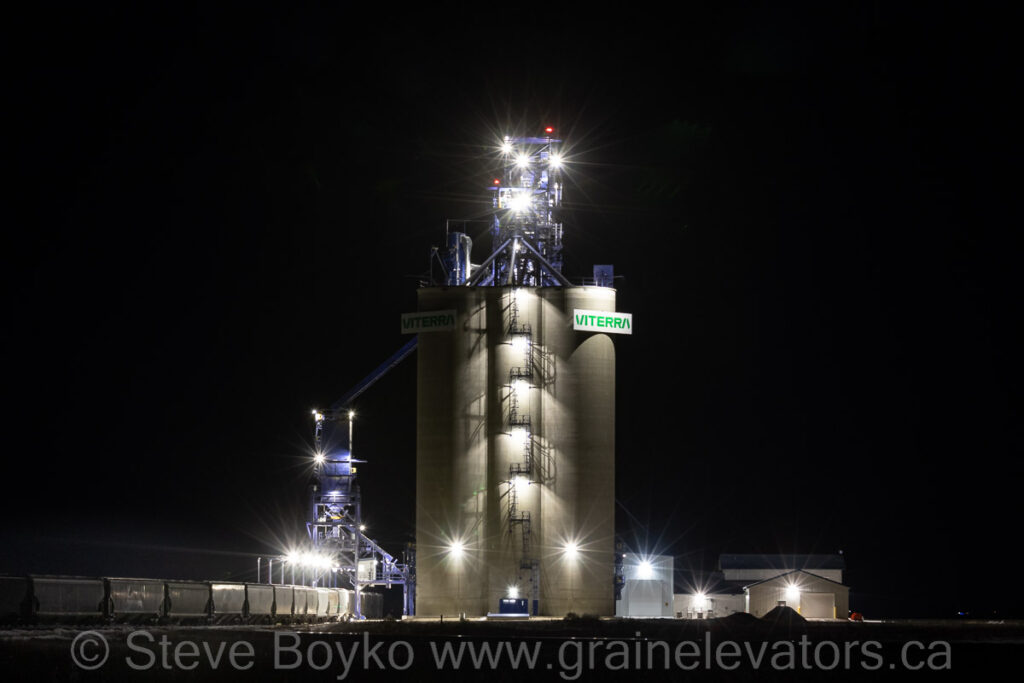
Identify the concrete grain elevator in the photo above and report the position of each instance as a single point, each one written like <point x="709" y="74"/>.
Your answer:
<point x="515" y="459"/>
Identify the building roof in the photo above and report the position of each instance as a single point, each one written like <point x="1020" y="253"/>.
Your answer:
<point x="780" y="562"/>
<point x="794" y="571"/>
<point x="708" y="583"/>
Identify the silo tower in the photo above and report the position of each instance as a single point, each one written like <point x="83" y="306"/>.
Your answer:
<point x="516" y="411"/>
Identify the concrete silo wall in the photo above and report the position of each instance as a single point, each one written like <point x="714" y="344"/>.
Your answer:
<point x="465" y="447"/>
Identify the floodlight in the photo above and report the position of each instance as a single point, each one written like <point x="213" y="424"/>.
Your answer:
<point x="519" y="203"/>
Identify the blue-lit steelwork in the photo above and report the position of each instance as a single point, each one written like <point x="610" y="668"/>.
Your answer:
<point x="397" y="357"/>
<point x="335" y="521"/>
<point x="526" y="227"/>
<point x="456" y="259"/>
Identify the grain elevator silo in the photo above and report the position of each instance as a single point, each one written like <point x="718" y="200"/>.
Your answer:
<point x="516" y="413"/>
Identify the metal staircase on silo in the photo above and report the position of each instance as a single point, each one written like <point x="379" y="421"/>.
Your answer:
<point x="521" y="334"/>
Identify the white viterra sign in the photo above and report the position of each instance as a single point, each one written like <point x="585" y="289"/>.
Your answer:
<point x="428" y="321"/>
<point x="602" y="321"/>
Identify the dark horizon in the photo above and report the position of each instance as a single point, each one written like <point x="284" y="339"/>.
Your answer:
<point x="220" y="218"/>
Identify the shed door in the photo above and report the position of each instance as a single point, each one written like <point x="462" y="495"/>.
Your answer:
<point x="817" y="605"/>
<point x="644" y="598"/>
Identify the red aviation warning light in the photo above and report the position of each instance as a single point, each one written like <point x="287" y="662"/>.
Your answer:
<point x="549" y="130"/>
<point x="497" y="181"/>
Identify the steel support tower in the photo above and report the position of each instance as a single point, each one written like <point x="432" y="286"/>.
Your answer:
<point x="335" y="518"/>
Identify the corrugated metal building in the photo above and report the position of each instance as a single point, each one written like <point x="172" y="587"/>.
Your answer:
<point x="814" y="597"/>
<point x="757" y="583"/>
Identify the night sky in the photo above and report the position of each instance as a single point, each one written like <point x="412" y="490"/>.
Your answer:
<point x="215" y="218"/>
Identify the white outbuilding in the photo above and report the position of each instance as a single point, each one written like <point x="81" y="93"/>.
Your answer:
<point x="647" y="586"/>
<point x="813" y="596"/>
<point x="707" y="596"/>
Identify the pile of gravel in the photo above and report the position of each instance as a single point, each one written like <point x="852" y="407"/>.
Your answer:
<point x="739" y="619"/>
<point x="784" y="615"/>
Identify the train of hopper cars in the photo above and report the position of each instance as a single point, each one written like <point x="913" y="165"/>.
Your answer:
<point x="66" y="599"/>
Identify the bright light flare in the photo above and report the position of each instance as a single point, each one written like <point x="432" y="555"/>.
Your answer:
<point x="520" y="343"/>
<point x="519" y="203"/>
<point x="572" y="551"/>
<point x="456" y="549"/>
<point x="700" y="601"/>
<point x="522" y="161"/>
<point x="644" y="570"/>
<point x="520" y="436"/>
<point x="319" y="458"/>
<point x="792" y="593"/>
<point x="506" y="147"/>
<point x="513" y="592"/>
<point x="556" y="161"/>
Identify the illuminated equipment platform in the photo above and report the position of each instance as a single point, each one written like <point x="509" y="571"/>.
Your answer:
<point x="341" y="549"/>
<point x="527" y="228"/>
